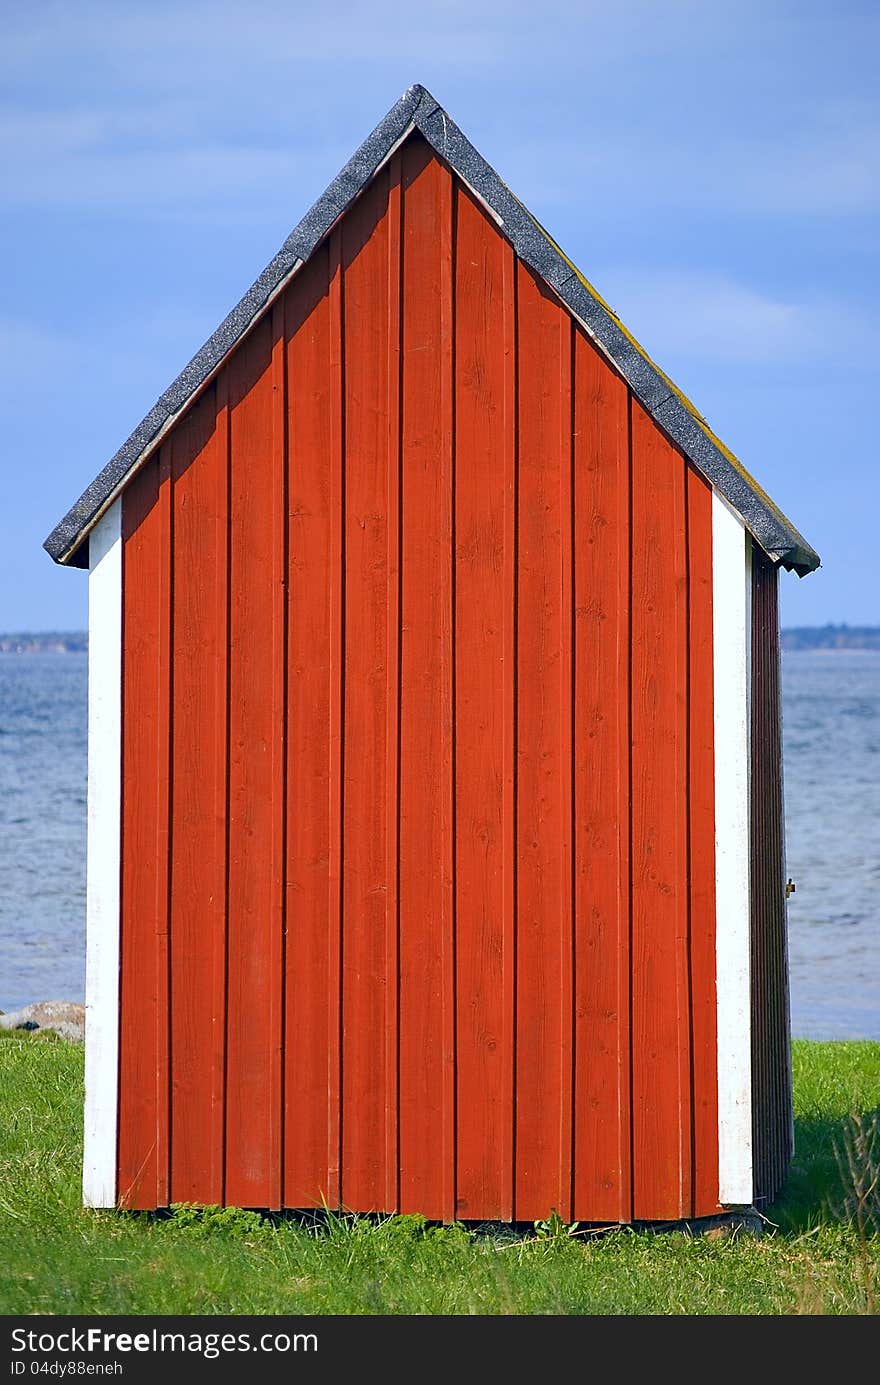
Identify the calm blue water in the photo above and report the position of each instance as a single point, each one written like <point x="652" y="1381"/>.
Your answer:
<point x="831" y="738"/>
<point x="42" y="827"/>
<point x="831" y="711"/>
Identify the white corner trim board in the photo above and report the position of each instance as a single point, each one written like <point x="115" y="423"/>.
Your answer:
<point x="103" y="864"/>
<point x="732" y="608"/>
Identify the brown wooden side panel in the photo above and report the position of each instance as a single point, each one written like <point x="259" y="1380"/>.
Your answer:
<point x="311" y="581"/>
<point x="427" y="998"/>
<point x="771" y="1037"/>
<point x="661" y="1043"/>
<point x="701" y="863"/>
<point x="602" y="1181"/>
<point x="253" y="1163"/>
<point x="199" y="661"/>
<point x="544" y="727"/>
<point x="484" y="697"/>
<point x="143" y="1078"/>
<point x="368" y="469"/>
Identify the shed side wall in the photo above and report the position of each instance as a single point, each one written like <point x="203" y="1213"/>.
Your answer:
<point x="771" y="1033"/>
<point x="419" y="756"/>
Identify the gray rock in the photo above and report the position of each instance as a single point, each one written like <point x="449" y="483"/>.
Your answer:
<point x="66" y="1017"/>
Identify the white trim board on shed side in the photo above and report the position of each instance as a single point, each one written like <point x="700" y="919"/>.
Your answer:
<point x="103" y="859"/>
<point x="732" y="608"/>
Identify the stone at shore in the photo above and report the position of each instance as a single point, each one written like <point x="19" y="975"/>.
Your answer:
<point x="66" y="1018"/>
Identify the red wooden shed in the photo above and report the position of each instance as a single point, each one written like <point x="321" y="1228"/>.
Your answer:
<point x="435" y="790"/>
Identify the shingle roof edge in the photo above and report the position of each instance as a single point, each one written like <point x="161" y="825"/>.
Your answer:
<point x="417" y="109"/>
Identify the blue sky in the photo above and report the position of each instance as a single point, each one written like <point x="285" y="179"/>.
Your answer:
<point x="713" y="168"/>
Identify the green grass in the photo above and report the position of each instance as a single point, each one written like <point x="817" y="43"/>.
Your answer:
<point x="821" y="1254"/>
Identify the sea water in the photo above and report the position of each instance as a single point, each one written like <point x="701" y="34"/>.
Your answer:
<point x="831" y="738"/>
<point x="831" y="752"/>
<point x="42" y="827"/>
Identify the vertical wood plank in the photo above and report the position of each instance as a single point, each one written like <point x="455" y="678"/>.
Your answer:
<point x="392" y="698"/>
<point x="365" y="887"/>
<point x="543" y="846"/>
<point x="702" y="846"/>
<point x="100" y="1183"/>
<point x="774" y="881"/>
<point x="142" y="749"/>
<point x="163" y="844"/>
<point x="785" y="1113"/>
<point x="758" y="922"/>
<point x="312" y="578"/>
<point x="252" y="1154"/>
<point x="509" y="582"/>
<point x="278" y="907"/>
<point x="759" y="827"/>
<point x="220" y="959"/>
<point x="683" y="979"/>
<point x="100" y="1180"/>
<point x="484" y="427"/>
<point x="566" y="778"/>
<point x="426" y="900"/>
<point x="660" y="922"/>
<point x="732" y="673"/>
<point x="566" y="790"/>
<point x="337" y="727"/>
<point x="773" y="885"/>
<point x="197" y="451"/>
<point x="446" y="200"/>
<point x="770" y="1048"/>
<point x="602" y="790"/>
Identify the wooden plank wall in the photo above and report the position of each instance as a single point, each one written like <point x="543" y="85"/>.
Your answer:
<point x="418" y="883"/>
<point x="771" y="1029"/>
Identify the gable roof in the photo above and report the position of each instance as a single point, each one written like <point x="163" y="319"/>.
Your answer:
<point x="417" y="110"/>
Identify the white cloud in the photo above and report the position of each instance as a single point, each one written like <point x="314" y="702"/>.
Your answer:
<point x="153" y="180"/>
<point x="676" y="106"/>
<point x="829" y="168"/>
<point x="709" y="316"/>
<point x="116" y="357"/>
<point x="160" y="41"/>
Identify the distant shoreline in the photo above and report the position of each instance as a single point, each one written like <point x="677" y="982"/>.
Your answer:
<point x="45" y="642"/>
<point x="829" y="639"/>
<point x="823" y="639"/>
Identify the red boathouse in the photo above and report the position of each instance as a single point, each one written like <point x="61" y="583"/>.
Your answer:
<point x="435" y="818"/>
